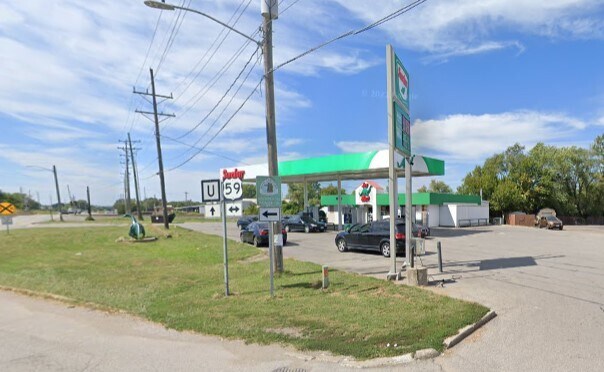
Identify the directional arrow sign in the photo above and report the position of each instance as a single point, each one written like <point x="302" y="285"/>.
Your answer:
<point x="270" y="214"/>
<point x="212" y="210"/>
<point x="234" y="209"/>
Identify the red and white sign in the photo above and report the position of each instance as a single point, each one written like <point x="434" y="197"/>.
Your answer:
<point x="232" y="184"/>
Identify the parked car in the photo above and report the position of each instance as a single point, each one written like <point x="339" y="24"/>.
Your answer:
<point x="373" y="236"/>
<point x="244" y="221"/>
<point x="303" y="223"/>
<point x="550" y="222"/>
<point x="256" y="233"/>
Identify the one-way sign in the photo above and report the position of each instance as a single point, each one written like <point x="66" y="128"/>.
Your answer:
<point x="270" y="214"/>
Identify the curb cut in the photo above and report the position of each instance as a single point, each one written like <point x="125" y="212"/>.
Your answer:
<point x="466" y="331"/>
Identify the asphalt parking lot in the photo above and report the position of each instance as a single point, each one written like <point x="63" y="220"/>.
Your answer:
<point x="547" y="288"/>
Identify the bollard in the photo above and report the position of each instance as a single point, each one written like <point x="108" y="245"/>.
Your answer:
<point x="411" y="259"/>
<point x="325" y="276"/>
<point x="440" y="257"/>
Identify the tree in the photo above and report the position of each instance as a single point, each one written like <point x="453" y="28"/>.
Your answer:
<point x="249" y="191"/>
<point x="251" y="210"/>
<point x="295" y="193"/>
<point x="507" y="197"/>
<point x="332" y="190"/>
<point x="437" y="187"/>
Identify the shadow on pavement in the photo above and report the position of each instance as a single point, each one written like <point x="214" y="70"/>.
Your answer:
<point x="441" y="232"/>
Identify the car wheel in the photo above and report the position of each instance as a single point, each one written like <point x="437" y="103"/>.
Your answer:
<point x="287" y="229"/>
<point x="306" y="229"/>
<point x="385" y="249"/>
<point x="256" y="242"/>
<point x="341" y="243"/>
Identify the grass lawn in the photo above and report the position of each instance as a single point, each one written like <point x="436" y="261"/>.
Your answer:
<point x="179" y="282"/>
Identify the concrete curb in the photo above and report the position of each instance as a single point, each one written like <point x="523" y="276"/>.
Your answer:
<point x="466" y="331"/>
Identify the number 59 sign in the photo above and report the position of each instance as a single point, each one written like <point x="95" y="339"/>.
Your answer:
<point x="232" y="185"/>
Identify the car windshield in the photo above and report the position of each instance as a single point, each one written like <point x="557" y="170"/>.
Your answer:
<point x="551" y="218"/>
<point x="309" y="220"/>
<point x="262" y="225"/>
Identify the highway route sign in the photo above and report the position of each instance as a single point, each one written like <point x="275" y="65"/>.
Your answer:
<point x="268" y="192"/>
<point x="270" y="214"/>
<point x="210" y="191"/>
<point x="7" y="209"/>
<point x="232" y="189"/>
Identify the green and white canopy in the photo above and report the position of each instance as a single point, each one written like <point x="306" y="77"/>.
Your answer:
<point x="355" y="166"/>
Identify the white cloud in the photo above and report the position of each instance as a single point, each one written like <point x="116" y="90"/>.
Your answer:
<point x="454" y="27"/>
<point x="360" y="146"/>
<point x="471" y="138"/>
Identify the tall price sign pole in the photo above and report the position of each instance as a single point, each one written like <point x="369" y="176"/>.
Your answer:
<point x="399" y="141"/>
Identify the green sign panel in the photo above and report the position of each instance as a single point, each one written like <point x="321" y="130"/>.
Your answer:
<point x="268" y="192"/>
<point x="401" y="83"/>
<point x="402" y="130"/>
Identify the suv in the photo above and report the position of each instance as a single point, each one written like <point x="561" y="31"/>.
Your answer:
<point x="550" y="222"/>
<point x="373" y="236"/>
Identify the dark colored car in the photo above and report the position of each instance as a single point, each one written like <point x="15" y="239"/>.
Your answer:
<point x="244" y="221"/>
<point x="256" y="233"/>
<point x="303" y="223"/>
<point x="374" y="236"/>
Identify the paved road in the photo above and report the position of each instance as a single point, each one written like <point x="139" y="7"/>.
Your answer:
<point x="547" y="288"/>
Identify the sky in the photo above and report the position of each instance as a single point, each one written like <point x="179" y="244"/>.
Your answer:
<point x="484" y="76"/>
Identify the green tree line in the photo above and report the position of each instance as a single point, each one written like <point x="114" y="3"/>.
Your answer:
<point x="568" y="179"/>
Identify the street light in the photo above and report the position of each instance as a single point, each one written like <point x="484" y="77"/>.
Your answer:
<point x="54" y="171"/>
<point x="269" y="12"/>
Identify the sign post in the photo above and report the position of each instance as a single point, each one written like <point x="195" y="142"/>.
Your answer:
<point x="268" y="195"/>
<point x="6" y="210"/>
<point x="232" y="190"/>
<point x="399" y="140"/>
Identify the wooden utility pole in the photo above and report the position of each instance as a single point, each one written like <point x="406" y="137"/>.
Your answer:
<point x="135" y="176"/>
<point x="156" y="116"/>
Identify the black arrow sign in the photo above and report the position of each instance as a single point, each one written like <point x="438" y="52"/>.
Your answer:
<point x="267" y="213"/>
<point x="233" y="209"/>
<point x="212" y="210"/>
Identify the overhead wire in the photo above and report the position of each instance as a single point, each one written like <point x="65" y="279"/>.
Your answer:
<point x="222" y="30"/>
<point x="354" y="32"/>
<point x="223" y="96"/>
<point x="203" y="150"/>
<point x="175" y="29"/>
<point x="221" y="128"/>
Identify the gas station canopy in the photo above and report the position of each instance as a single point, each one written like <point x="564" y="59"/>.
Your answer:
<point x="353" y="166"/>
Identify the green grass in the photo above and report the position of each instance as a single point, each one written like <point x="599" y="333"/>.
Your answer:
<point x="179" y="282"/>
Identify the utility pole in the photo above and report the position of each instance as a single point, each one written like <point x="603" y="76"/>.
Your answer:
<point x="268" y="15"/>
<point x="54" y="170"/>
<point x="126" y="178"/>
<point x="135" y="176"/>
<point x="158" y="142"/>
<point x="186" y="195"/>
<point x="89" y="218"/>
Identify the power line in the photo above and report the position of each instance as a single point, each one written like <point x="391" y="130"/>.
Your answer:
<point x="175" y="29"/>
<point x="385" y="19"/>
<point x="221" y="128"/>
<point x="222" y="30"/>
<point x="224" y="95"/>
<point x="204" y="150"/>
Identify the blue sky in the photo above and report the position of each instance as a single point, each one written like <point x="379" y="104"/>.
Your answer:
<point x="484" y="75"/>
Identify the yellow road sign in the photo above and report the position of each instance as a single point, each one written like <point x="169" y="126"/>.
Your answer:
<point x="7" y="208"/>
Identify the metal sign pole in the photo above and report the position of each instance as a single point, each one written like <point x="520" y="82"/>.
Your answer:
<point x="271" y="247"/>
<point x="392" y="178"/>
<point x="224" y="245"/>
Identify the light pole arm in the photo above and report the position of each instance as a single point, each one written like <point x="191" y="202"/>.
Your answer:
<point x="165" y="6"/>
